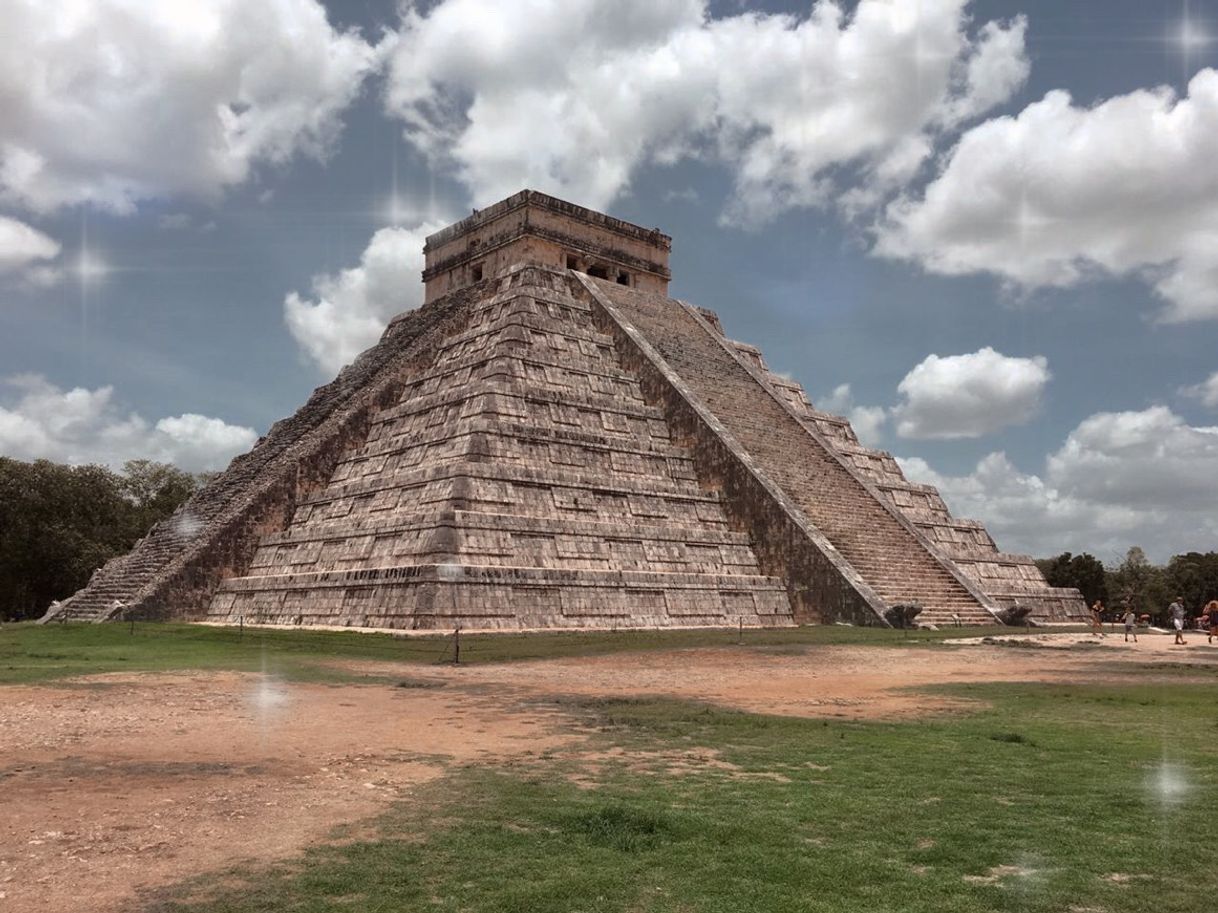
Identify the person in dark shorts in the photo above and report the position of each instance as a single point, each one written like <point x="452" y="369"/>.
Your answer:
<point x="1211" y="609"/>
<point x="1097" y="618"/>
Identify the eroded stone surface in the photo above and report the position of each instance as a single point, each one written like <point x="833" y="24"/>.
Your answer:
<point x="540" y="446"/>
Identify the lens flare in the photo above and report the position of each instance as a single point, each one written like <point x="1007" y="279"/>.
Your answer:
<point x="1169" y="783"/>
<point x="187" y="525"/>
<point x="90" y="269"/>
<point x="269" y="695"/>
<point x="1192" y="36"/>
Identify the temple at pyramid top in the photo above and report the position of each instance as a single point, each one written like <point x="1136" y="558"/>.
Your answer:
<point x="551" y="441"/>
<point x="534" y="228"/>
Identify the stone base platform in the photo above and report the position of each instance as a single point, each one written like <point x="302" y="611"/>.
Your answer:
<point x="444" y="596"/>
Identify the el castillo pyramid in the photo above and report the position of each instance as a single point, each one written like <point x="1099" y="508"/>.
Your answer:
<point x="552" y="441"/>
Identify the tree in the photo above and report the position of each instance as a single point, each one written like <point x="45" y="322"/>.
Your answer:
<point x="1140" y="584"/>
<point x="1193" y="576"/>
<point x="1084" y="572"/>
<point x="155" y="490"/>
<point x="60" y="523"/>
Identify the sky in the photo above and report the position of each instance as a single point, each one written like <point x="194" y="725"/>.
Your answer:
<point x="985" y="231"/>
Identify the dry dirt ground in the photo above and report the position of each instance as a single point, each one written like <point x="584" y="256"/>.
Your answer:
<point x="114" y="783"/>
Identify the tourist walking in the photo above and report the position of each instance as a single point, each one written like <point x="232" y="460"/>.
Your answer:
<point x="1131" y="624"/>
<point x="1211" y="609"/>
<point x="1097" y="618"/>
<point x="1176" y="610"/>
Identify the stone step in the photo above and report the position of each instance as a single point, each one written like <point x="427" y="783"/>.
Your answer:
<point x="549" y="477"/>
<point x="509" y="522"/>
<point x="514" y="432"/>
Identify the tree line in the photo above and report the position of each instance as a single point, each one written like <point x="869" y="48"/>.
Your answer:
<point x="60" y="523"/>
<point x="1147" y="588"/>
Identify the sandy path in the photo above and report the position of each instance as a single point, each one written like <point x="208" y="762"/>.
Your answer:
<point x="114" y="783"/>
<point x="851" y="682"/>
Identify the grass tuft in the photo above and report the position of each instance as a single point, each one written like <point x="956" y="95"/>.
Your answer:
<point x="622" y="827"/>
<point x="418" y="683"/>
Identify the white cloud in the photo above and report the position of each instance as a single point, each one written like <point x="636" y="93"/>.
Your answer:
<point x="38" y="420"/>
<point x="838" y="402"/>
<point x="1120" y="479"/>
<point x="349" y="311"/>
<point x="22" y="245"/>
<point x="995" y="70"/>
<point x="1150" y="460"/>
<point x="967" y="396"/>
<point x="1206" y="391"/>
<point x="655" y="81"/>
<point x="1062" y="193"/>
<point x="1025" y="514"/>
<point x="867" y="421"/>
<point x="114" y="101"/>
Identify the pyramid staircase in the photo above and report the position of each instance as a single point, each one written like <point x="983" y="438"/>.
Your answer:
<point x="898" y="564"/>
<point x="1009" y="580"/>
<point x="115" y="585"/>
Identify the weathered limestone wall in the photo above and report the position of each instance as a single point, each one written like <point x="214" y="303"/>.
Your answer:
<point x="522" y="480"/>
<point x="533" y="228"/>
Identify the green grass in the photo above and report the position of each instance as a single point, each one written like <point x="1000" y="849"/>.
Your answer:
<point x="1040" y="803"/>
<point x="30" y="653"/>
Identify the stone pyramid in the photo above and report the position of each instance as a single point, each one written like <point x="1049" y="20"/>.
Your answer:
<point x="551" y="441"/>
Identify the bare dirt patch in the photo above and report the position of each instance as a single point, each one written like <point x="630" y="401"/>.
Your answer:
<point x="138" y="781"/>
<point x="1151" y="645"/>
<point x="835" y="681"/>
<point x="999" y="873"/>
<point x="1124" y="878"/>
<point x="676" y="762"/>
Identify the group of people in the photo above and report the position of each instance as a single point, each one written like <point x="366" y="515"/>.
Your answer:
<point x="1176" y="612"/>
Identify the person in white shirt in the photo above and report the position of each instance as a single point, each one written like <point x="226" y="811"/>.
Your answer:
<point x="1176" y="610"/>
